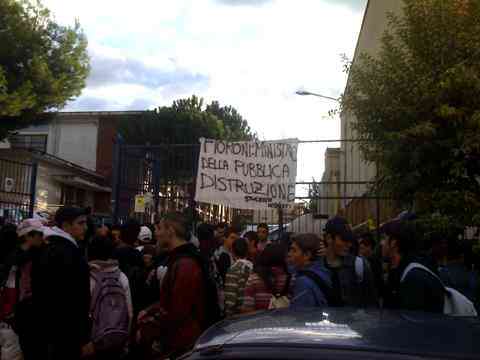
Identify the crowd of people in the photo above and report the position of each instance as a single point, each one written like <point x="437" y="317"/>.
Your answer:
<point x="131" y="291"/>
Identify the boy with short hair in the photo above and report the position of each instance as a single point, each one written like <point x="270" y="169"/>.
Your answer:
<point x="352" y="278"/>
<point x="237" y="277"/>
<point x="263" y="232"/>
<point x="61" y="289"/>
<point x="223" y="255"/>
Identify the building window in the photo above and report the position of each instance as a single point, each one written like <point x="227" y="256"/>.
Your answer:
<point x="68" y="195"/>
<point x="30" y="142"/>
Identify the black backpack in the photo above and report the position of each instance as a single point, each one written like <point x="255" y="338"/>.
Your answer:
<point x="324" y="288"/>
<point x="213" y="313"/>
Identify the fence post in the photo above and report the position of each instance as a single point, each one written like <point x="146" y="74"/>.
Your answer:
<point x="116" y="173"/>
<point x="280" y="218"/>
<point x="377" y="191"/>
<point x="33" y="188"/>
<point x="156" y="186"/>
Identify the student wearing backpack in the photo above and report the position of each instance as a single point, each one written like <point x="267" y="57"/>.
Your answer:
<point x="352" y="278"/>
<point x="312" y="282"/>
<point x="412" y="284"/>
<point x="237" y="277"/>
<point x="61" y="289"/>
<point x="269" y="281"/>
<point x="181" y="315"/>
<point x="111" y="308"/>
<point x="420" y="291"/>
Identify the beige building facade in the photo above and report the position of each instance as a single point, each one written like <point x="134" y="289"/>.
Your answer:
<point x="353" y="167"/>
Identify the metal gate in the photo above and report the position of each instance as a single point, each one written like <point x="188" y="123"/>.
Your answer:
<point x="17" y="191"/>
<point x="164" y="176"/>
<point x="165" y="171"/>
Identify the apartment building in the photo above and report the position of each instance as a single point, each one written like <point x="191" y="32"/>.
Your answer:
<point x="74" y="153"/>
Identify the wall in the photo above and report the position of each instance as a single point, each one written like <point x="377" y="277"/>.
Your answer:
<point x="331" y="174"/>
<point x="352" y="165"/>
<point x="75" y="140"/>
<point x="71" y="137"/>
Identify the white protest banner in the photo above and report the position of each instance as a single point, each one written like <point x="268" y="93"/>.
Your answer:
<point x="247" y="175"/>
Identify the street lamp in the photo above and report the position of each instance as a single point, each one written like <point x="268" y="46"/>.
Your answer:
<point x="309" y="93"/>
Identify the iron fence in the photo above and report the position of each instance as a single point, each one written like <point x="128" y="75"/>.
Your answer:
<point x="17" y="191"/>
<point x="165" y="175"/>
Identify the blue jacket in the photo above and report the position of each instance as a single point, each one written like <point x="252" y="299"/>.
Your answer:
<point x="306" y="292"/>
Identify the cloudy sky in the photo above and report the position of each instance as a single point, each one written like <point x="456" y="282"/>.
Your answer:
<point x="252" y="54"/>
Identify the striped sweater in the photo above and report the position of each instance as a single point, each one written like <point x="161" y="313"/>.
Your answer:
<point x="257" y="296"/>
<point x="235" y="281"/>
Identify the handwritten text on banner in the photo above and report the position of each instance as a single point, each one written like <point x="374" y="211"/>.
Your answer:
<point x="247" y="175"/>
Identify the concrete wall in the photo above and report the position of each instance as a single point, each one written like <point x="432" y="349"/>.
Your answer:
<point x="72" y="138"/>
<point x="353" y="167"/>
<point x="75" y="139"/>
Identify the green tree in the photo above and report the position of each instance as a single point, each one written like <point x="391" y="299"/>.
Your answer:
<point x="236" y="127"/>
<point x="42" y="64"/>
<point x="417" y="109"/>
<point x="185" y="122"/>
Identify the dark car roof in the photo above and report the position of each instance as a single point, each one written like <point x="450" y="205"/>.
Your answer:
<point x="349" y="329"/>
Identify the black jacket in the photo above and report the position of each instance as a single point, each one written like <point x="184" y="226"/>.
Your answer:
<point x="61" y="295"/>
<point x="347" y="287"/>
<point x="420" y="291"/>
<point x="127" y="256"/>
<point x="131" y="263"/>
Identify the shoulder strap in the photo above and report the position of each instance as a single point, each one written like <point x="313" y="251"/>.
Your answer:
<point x="415" y="265"/>
<point x="359" y="268"/>
<point x="324" y="288"/>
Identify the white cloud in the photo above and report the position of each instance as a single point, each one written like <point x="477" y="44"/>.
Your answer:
<point x="244" y="2"/>
<point x="254" y="57"/>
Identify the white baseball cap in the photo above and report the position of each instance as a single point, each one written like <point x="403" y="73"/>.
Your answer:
<point x="145" y="234"/>
<point x="29" y="225"/>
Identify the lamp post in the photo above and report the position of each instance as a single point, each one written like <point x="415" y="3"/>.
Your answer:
<point x="309" y="93"/>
